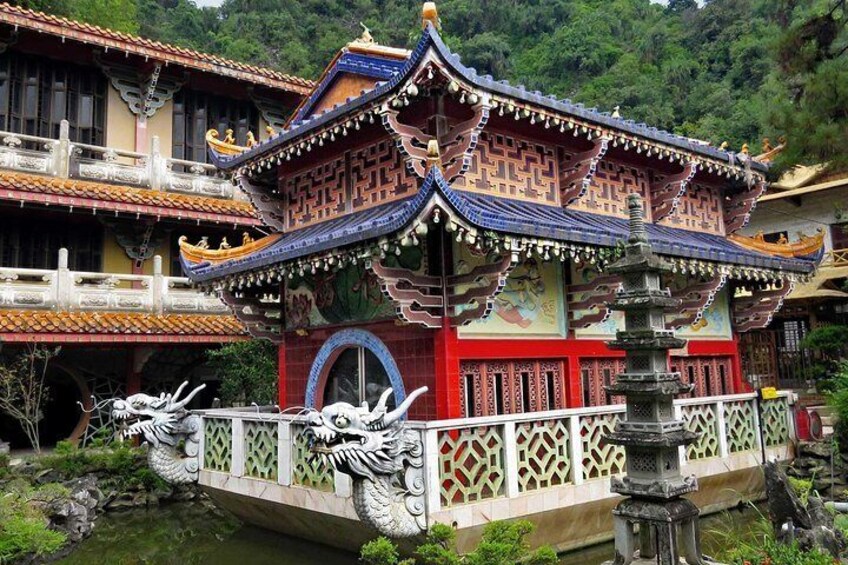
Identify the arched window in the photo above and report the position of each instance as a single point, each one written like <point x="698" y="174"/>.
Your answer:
<point x="356" y="376"/>
<point x="353" y="366"/>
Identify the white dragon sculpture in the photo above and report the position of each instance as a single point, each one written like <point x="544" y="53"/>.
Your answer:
<point x="383" y="458"/>
<point x="172" y="432"/>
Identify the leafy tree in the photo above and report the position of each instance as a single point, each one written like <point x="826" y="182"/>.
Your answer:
<point x="247" y="370"/>
<point x="24" y="391"/>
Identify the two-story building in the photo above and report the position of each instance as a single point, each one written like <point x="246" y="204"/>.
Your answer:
<point x="808" y="203"/>
<point x="103" y="166"/>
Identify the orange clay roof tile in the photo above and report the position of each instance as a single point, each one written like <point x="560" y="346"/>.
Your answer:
<point x="109" y="193"/>
<point x="64" y="27"/>
<point x="41" y="321"/>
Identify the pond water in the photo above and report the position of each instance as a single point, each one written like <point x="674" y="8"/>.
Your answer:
<point x="191" y="534"/>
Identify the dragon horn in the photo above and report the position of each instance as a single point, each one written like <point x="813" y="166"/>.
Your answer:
<point x="176" y="395"/>
<point x="398" y="412"/>
<point x="188" y="398"/>
<point x="380" y="407"/>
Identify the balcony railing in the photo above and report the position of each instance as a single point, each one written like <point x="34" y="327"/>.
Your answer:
<point x="836" y="258"/>
<point x="507" y="457"/>
<point x="63" y="158"/>
<point x="66" y="290"/>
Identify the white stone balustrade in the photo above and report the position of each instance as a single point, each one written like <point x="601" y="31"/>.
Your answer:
<point x="477" y="468"/>
<point x="63" y="158"/>
<point x="66" y="290"/>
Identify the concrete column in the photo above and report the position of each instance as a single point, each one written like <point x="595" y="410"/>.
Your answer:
<point x="159" y="286"/>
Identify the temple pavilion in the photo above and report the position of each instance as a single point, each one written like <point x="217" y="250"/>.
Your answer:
<point x="429" y="225"/>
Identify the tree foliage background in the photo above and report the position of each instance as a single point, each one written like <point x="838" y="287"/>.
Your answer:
<point x="729" y="70"/>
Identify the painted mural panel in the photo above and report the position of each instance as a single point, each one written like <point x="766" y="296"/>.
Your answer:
<point x="598" y="289"/>
<point x="531" y="303"/>
<point x="350" y="294"/>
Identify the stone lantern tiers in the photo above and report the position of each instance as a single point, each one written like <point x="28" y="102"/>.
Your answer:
<point x="650" y="433"/>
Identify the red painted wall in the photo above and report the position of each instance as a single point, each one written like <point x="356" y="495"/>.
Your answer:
<point x="411" y="347"/>
<point x="432" y="358"/>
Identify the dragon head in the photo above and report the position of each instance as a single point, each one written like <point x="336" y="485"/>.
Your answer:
<point x="155" y="417"/>
<point x="359" y="441"/>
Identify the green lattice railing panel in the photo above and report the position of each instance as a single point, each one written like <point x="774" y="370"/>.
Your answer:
<point x="543" y="454"/>
<point x="217" y="444"/>
<point x="260" y="450"/>
<point x="471" y="464"/>
<point x="307" y="469"/>
<point x="740" y="423"/>
<point x="703" y="420"/>
<point x="600" y="459"/>
<point x="775" y="422"/>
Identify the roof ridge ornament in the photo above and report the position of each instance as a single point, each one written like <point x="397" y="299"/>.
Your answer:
<point x="430" y="14"/>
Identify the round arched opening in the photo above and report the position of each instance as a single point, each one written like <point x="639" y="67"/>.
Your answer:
<point x="353" y="366"/>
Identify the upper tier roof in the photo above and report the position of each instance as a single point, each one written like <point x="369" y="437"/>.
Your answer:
<point x="87" y="33"/>
<point x="305" y="124"/>
<point x="487" y="213"/>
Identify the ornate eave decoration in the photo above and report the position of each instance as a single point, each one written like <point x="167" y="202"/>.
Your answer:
<point x="201" y="254"/>
<point x="738" y="208"/>
<point x="144" y="95"/>
<point x="261" y="313"/>
<point x="271" y="208"/>
<point x="694" y="299"/>
<point x="755" y="311"/>
<point x="576" y="173"/>
<point x="592" y="299"/>
<point x="666" y="193"/>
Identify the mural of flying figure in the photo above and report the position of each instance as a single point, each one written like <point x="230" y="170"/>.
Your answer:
<point x="382" y="456"/>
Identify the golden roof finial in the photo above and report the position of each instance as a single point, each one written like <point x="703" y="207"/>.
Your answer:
<point x="429" y="13"/>
<point x="744" y="148"/>
<point x="434" y="155"/>
<point x="366" y="36"/>
<point x="724" y="145"/>
<point x="767" y="145"/>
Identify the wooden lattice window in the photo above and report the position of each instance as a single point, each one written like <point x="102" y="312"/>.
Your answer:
<point x="511" y="387"/>
<point x="595" y="374"/>
<point x="197" y="112"/>
<point x="711" y="376"/>
<point x="37" y="94"/>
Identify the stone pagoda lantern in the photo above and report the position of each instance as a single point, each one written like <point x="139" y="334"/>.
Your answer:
<point x="654" y="520"/>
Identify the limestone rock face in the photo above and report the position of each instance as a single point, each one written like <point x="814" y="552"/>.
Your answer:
<point x="75" y="515"/>
<point x="811" y="526"/>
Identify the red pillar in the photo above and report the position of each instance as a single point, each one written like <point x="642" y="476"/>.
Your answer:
<point x="282" y="401"/>
<point x="573" y="384"/>
<point x="448" y="392"/>
<point x="740" y="385"/>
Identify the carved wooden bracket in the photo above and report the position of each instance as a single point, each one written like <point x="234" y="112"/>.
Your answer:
<point x="142" y="94"/>
<point x="737" y="210"/>
<point x="271" y="111"/>
<point x="455" y="146"/>
<point x="420" y="299"/>
<point x="755" y="312"/>
<point x="261" y="317"/>
<point x="695" y="299"/>
<point x="666" y="194"/>
<point x="594" y="295"/>
<point x="270" y="209"/>
<point x="139" y="239"/>
<point x="576" y="173"/>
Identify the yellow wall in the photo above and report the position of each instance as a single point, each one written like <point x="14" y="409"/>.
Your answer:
<point x="120" y="123"/>
<point x="115" y="259"/>
<point x="162" y="124"/>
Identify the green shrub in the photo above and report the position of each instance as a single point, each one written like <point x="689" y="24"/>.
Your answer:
<point x="21" y="536"/>
<point x="65" y="447"/>
<point x="247" y="370"/>
<point x="501" y="543"/>
<point x="802" y="487"/>
<point x="771" y="552"/>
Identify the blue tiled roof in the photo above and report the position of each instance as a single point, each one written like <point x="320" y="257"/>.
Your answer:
<point x="430" y="38"/>
<point x="496" y="214"/>
<point x="371" y="66"/>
